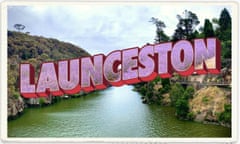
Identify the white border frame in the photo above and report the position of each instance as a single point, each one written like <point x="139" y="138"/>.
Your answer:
<point x="3" y="73"/>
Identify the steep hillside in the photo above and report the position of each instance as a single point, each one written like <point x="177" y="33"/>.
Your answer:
<point x="35" y="50"/>
<point x="212" y="104"/>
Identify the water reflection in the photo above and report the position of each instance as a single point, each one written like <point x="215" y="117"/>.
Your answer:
<point x="115" y="112"/>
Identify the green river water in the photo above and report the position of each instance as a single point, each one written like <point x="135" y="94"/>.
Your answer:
<point x="114" y="112"/>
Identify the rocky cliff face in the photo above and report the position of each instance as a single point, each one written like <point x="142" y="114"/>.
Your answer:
<point x="208" y="103"/>
<point x="15" y="106"/>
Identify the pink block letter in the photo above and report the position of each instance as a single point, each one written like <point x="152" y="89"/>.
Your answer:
<point x="111" y="72"/>
<point x="209" y="50"/>
<point x="146" y="69"/>
<point x="92" y="73"/>
<point x="27" y="86"/>
<point x="129" y="65"/>
<point x="163" y="65"/>
<point x="182" y="57"/>
<point x="69" y="76"/>
<point x="47" y="81"/>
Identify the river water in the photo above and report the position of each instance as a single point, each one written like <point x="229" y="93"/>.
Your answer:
<point x="114" y="112"/>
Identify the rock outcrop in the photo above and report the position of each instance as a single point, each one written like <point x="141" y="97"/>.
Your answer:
<point x="15" y="106"/>
<point x="208" y="103"/>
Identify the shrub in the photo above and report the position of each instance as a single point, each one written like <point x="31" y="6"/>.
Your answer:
<point x="226" y="115"/>
<point x="16" y="95"/>
<point x="189" y="92"/>
<point x="182" y="108"/>
<point x="175" y="93"/>
<point x="143" y="90"/>
<point x="190" y="116"/>
<point x="205" y="100"/>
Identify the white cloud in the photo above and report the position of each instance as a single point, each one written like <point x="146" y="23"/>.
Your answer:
<point x="101" y="28"/>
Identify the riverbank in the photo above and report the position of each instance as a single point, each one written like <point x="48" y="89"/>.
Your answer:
<point x="15" y="107"/>
<point x="26" y="48"/>
<point x="113" y="112"/>
<point x="19" y="104"/>
<point x="208" y="105"/>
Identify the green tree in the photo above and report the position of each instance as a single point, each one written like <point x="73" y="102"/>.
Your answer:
<point x="182" y="108"/>
<point x="226" y="49"/>
<point x="225" y="26"/>
<point x="165" y="85"/>
<point x="208" y="29"/>
<point x="150" y="90"/>
<point x="225" y="21"/>
<point x="19" y="27"/>
<point x="182" y="104"/>
<point x="186" y="26"/>
<point x="160" y="35"/>
<point x="189" y="92"/>
<point x="175" y="93"/>
<point x="226" y="115"/>
<point x="223" y="32"/>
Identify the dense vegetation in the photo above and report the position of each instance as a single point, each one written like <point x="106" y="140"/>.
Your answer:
<point x="186" y="29"/>
<point x="35" y="50"/>
<point x="180" y="99"/>
<point x="225" y="116"/>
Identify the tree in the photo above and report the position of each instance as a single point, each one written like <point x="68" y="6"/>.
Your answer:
<point x="19" y="27"/>
<point x="160" y="35"/>
<point x="224" y="25"/>
<point x="225" y="20"/>
<point x="176" y="92"/>
<point x="165" y="85"/>
<point x="224" y="33"/>
<point x="189" y="92"/>
<point x="226" y="115"/>
<point x="181" y="101"/>
<point x="208" y="28"/>
<point x="223" y="28"/>
<point x="186" y="26"/>
<point x="182" y="108"/>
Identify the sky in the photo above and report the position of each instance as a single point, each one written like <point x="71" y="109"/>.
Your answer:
<point x="101" y="28"/>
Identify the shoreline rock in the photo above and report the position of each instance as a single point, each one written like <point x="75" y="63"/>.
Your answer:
<point x="15" y="107"/>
